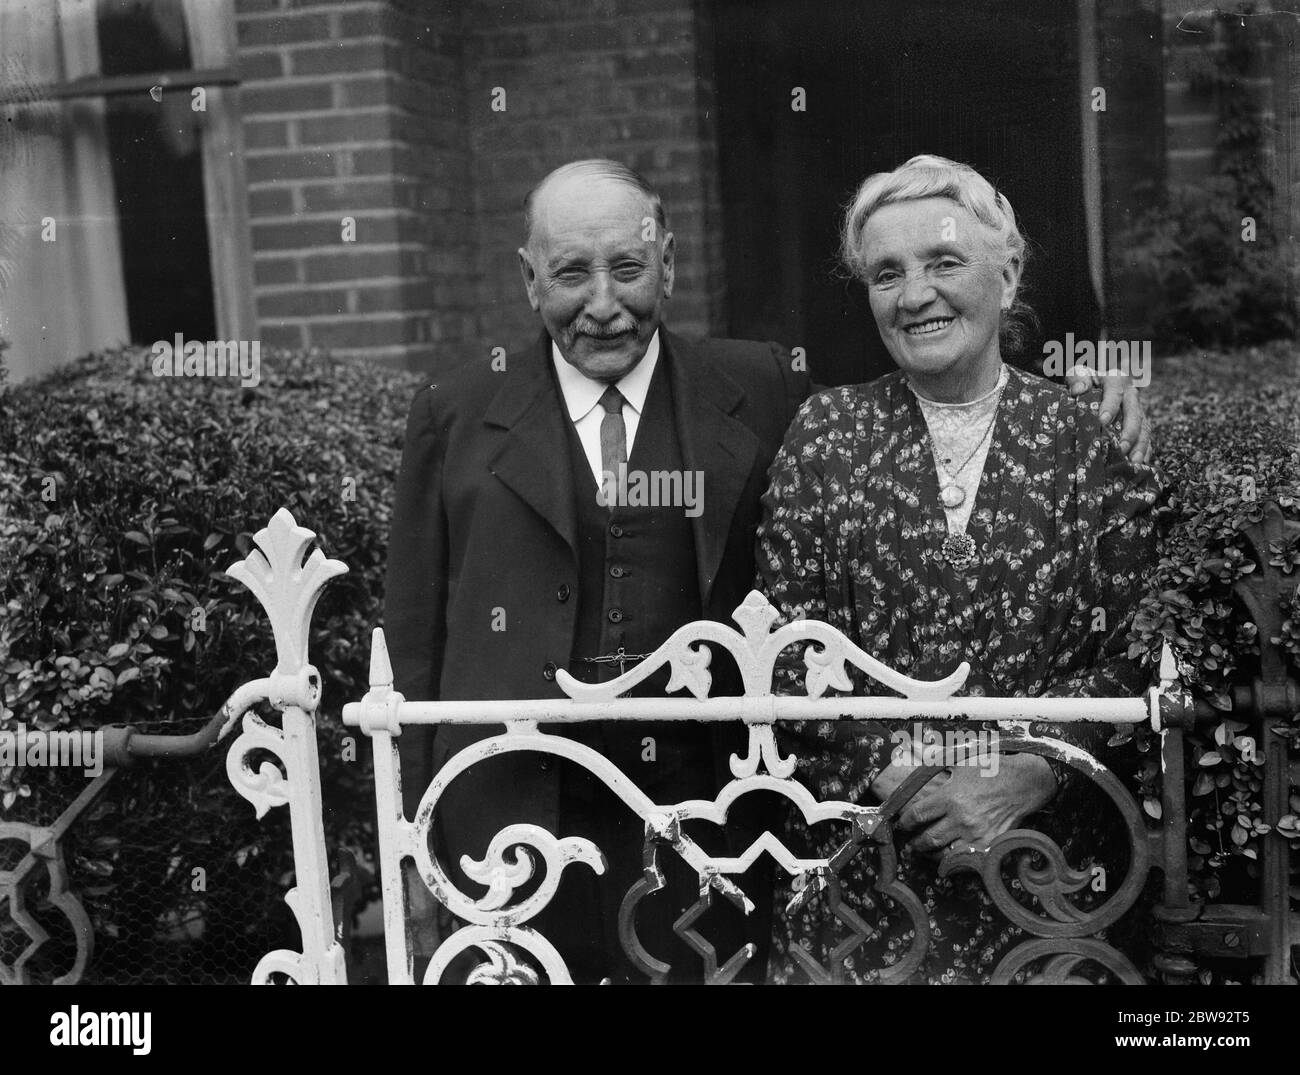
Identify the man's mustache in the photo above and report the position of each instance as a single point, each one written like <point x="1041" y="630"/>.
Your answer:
<point x="603" y="332"/>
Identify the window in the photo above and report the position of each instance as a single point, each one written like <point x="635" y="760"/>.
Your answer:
<point x="128" y="221"/>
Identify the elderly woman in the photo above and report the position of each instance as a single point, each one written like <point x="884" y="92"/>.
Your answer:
<point x="957" y="510"/>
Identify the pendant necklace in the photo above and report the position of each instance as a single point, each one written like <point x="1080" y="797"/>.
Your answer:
<point x="958" y="548"/>
<point x="952" y="495"/>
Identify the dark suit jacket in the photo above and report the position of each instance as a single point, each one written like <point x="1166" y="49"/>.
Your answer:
<point x="485" y="520"/>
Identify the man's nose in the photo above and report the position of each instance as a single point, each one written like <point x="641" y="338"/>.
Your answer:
<point x="603" y="305"/>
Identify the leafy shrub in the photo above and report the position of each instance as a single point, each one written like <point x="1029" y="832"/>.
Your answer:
<point x="1205" y="286"/>
<point x="1226" y="428"/>
<point x="127" y="496"/>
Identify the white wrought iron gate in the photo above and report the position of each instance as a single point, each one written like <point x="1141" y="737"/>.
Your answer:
<point x="1062" y="936"/>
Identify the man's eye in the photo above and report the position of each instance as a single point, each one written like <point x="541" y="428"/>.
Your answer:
<point x="570" y="276"/>
<point x="628" y="271"/>
<point x="948" y="263"/>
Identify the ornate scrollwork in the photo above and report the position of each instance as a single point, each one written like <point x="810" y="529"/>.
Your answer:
<point x="45" y="850"/>
<point x="502" y="967"/>
<point x="502" y="878"/>
<point x="288" y="588"/>
<point x="1064" y="957"/>
<point x="1055" y="881"/>
<point x="762" y="749"/>
<point x="756" y="648"/>
<point x="266" y="786"/>
<point x="509" y="863"/>
<point x="1051" y="882"/>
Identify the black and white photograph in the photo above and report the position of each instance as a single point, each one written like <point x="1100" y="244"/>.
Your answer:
<point x="650" y="492"/>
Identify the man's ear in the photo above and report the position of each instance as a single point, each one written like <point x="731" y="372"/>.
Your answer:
<point x="530" y="279"/>
<point x="669" y="256"/>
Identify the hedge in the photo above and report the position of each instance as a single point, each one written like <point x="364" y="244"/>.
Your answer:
<point x="128" y="495"/>
<point x="1227" y="427"/>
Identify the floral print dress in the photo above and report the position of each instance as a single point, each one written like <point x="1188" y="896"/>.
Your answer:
<point x="1064" y="525"/>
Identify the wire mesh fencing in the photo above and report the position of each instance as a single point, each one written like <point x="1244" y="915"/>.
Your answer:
<point x="179" y="882"/>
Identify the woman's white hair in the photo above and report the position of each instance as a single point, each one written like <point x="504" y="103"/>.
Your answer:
<point x="930" y="176"/>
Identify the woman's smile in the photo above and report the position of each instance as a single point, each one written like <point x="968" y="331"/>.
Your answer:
<point x="931" y="327"/>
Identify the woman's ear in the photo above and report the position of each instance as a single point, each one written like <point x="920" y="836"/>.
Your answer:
<point x="1010" y="282"/>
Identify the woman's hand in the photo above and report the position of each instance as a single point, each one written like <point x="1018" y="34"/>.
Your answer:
<point x="964" y="805"/>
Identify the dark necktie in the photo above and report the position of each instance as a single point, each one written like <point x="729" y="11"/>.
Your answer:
<point x="613" y="442"/>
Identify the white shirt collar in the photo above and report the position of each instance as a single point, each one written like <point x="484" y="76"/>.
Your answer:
<point x="581" y="393"/>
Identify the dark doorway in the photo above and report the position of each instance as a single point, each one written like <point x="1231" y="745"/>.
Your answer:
<point x="992" y="83"/>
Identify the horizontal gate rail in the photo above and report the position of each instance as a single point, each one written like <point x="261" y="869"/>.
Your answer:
<point x="769" y="709"/>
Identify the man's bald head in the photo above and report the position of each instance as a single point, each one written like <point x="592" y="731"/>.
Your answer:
<point x="575" y="174"/>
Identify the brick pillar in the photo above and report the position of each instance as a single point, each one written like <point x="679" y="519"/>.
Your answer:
<point x="351" y="114"/>
<point x="628" y="79"/>
<point x="1191" y="118"/>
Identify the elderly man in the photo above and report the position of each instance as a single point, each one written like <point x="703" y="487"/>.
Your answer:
<point x="514" y="554"/>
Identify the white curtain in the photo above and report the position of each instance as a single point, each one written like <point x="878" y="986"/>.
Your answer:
<point x="62" y="299"/>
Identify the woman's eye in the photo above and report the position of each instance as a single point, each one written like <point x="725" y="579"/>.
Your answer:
<point x="949" y="263"/>
<point x="886" y="278"/>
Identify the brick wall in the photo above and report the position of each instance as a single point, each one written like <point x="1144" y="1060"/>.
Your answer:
<point x="351" y="110"/>
<point x="591" y="78"/>
<point x="1162" y="122"/>
<point x="382" y="111"/>
<point x="1192" y="113"/>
